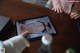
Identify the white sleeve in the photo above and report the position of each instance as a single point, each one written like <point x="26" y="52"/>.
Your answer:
<point x="17" y="43"/>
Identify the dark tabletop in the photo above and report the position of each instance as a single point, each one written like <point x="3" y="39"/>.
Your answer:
<point x="67" y="35"/>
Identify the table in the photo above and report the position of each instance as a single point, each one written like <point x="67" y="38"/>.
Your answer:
<point x="67" y="35"/>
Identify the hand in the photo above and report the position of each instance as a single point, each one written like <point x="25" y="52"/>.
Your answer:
<point x="75" y="15"/>
<point x="23" y="30"/>
<point x="25" y="34"/>
<point x="57" y="9"/>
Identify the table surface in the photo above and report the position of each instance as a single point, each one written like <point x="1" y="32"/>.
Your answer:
<point x="67" y="35"/>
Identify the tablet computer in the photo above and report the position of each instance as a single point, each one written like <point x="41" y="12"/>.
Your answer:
<point x="36" y="27"/>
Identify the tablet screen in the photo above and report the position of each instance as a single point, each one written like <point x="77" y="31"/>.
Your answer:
<point x="36" y="27"/>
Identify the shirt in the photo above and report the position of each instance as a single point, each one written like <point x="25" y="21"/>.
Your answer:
<point x="14" y="45"/>
<point x="65" y="4"/>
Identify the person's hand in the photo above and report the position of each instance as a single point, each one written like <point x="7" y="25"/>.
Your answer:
<point x="24" y="34"/>
<point x="57" y="8"/>
<point x="75" y="15"/>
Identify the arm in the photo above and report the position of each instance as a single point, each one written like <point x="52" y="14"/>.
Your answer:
<point x="16" y="44"/>
<point x="57" y="6"/>
<point x="75" y="11"/>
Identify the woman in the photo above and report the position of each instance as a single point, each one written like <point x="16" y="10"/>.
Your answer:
<point x="70" y="7"/>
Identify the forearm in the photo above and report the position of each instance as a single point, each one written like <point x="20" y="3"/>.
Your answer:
<point x="17" y="42"/>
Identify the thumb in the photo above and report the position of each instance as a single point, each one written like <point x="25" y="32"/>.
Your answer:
<point x="24" y="33"/>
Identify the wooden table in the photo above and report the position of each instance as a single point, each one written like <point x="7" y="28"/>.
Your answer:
<point x="67" y="35"/>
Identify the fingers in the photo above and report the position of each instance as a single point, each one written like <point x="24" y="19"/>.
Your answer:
<point x="58" y="10"/>
<point x="74" y="15"/>
<point x="27" y="43"/>
<point x="24" y="33"/>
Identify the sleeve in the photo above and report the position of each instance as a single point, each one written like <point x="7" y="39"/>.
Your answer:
<point x="76" y="7"/>
<point x="17" y="43"/>
<point x="1" y="44"/>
